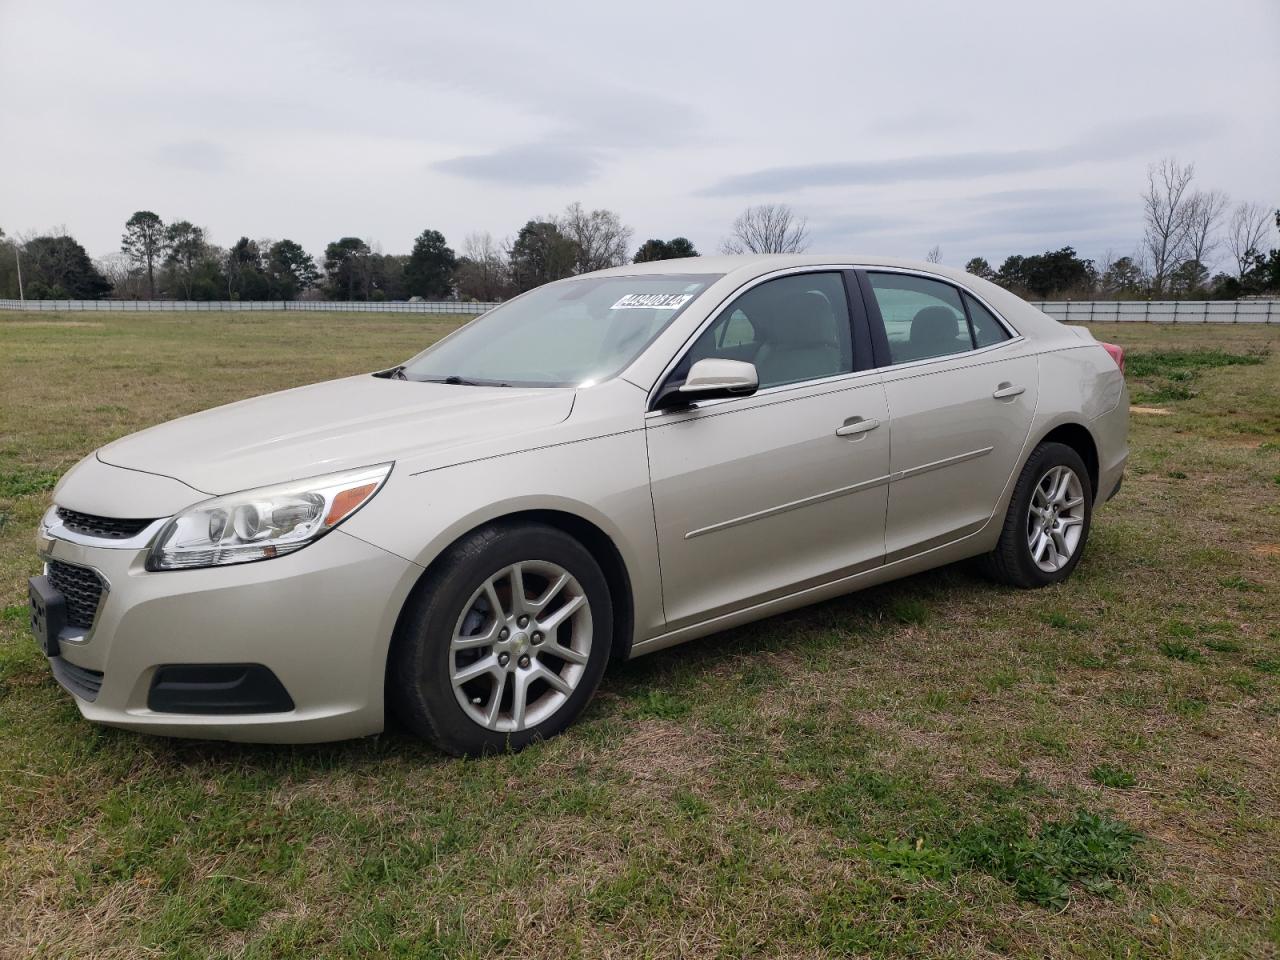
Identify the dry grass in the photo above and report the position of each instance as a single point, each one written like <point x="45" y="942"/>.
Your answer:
<point x="804" y="787"/>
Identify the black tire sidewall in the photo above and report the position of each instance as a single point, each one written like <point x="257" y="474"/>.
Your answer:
<point x="423" y="695"/>
<point x="1043" y="459"/>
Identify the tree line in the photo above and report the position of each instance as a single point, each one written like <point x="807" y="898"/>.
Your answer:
<point x="1196" y="245"/>
<point x="176" y="260"/>
<point x="1189" y="233"/>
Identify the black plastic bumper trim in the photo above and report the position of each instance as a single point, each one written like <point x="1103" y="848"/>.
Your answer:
<point x="81" y="681"/>
<point x="1115" y="489"/>
<point x="217" y="688"/>
<point x="47" y="608"/>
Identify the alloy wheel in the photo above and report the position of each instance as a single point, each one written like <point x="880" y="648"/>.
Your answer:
<point x="1055" y="519"/>
<point x="520" y="646"/>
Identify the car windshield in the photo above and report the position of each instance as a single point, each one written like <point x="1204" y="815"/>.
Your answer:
<point x="563" y="334"/>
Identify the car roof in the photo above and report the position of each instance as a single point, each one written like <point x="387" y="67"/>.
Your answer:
<point x="762" y="263"/>
<point x="743" y="268"/>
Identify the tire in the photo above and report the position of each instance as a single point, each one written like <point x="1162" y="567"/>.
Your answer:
<point x="452" y="654"/>
<point x="1013" y="561"/>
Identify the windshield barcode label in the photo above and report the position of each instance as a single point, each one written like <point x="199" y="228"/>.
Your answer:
<point x="652" y="301"/>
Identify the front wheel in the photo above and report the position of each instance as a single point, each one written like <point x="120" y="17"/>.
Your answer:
<point x="504" y="642"/>
<point x="1047" y="525"/>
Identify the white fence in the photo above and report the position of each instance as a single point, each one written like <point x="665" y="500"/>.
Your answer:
<point x="1081" y="311"/>
<point x="1163" y="311"/>
<point x="240" y="306"/>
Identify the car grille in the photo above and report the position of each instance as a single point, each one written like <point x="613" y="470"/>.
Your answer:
<point x="84" y="683"/>
<point x="108" y="528"/>
<point x="83" y="589"/>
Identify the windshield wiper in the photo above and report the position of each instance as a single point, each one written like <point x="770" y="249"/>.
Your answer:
<point x="457" y="381"/>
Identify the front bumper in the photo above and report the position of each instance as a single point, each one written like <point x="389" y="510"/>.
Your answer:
<point x="319" y="619"/>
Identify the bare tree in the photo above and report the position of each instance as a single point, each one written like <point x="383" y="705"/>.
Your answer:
<point x="1246" y="234"/>
<point x="126" y="278"/>
<point x="603" y="239"/>
<point x="1204" y="217"/>
<point x="768" y="228"/>
<point x="1167" y="212"/>
<point x="481" y="273"/>
<point x="934" y="255"/>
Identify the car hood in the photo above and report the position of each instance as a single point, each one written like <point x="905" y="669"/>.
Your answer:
<point x="332" y="426"/>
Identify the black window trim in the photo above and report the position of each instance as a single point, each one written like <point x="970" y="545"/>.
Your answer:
<point x="965" y="297"/>
<point x="880" y="337"/>
<point x="864" y="358"/>
<point x="968" y="321"/>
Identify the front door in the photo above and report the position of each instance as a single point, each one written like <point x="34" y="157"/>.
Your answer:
<point x="756" y="497"/>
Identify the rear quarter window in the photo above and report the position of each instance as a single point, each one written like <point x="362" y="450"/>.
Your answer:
<point x="987" y="330"/>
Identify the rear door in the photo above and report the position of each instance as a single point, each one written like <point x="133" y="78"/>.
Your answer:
<point x="961" y="389"/>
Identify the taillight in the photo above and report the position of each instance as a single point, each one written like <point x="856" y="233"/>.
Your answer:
<point x="1117" y="354"/>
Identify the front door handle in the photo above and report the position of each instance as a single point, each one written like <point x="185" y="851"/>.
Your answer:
<point x="856" y="425"/>
<point x="1007" y="390"/>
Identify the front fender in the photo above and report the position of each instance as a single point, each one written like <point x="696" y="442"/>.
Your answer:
<point x="604" y="481"/>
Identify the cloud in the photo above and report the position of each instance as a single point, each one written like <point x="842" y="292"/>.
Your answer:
<point x="1037" y="195"/>
<point x="863" y="173"/>
<point x="569" y="125"/>
<point x="530" y="164"/>
<point x="471" y="120"/>
<point x="911" y="123"/>
<point x="609" y="106"/>
<point x="1049" y="212"/>
<point x="1113" y="142"/>
<point x="601" y="126"/>
<point x="992" y="223"/>
<point x="198" y="155"/>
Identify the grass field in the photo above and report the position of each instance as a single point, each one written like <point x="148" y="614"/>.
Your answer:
<point x="937" y="767"/>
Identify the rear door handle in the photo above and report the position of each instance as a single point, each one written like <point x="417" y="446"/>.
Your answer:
<point x="856" y="425"/>
<point x="1006" y="390"/>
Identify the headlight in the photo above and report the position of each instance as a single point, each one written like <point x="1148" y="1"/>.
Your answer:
<point x="263" y="523"/>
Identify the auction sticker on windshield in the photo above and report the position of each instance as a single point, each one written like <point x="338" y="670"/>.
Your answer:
<point x="652" y="301"/>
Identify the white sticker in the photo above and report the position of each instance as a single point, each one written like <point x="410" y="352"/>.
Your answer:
<point x="652" y="301"/>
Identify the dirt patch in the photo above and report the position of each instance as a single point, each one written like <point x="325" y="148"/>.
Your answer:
<point x="665" y="752"/>
<point x="1156" y="411"/>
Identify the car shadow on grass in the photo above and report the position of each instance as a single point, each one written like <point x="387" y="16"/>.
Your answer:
<point x="658" y="684"/>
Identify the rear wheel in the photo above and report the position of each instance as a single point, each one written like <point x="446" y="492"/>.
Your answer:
<point x="1047" y="525"/>
<point x="504" y="643"/>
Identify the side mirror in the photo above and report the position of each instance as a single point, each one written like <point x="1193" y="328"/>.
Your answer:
<point x="714" y="377"/>
<point x="710" y="379"/>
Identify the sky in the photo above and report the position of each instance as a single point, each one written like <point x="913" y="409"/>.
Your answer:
<point x="985" y="128"/>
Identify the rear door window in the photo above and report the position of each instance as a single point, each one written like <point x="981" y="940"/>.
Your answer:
<point x="923" y="318"/>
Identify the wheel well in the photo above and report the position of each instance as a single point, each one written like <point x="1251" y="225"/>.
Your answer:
<point x="605" y="553"/>
<point x="611" y="564"/>
<point x="1079" y="439"/>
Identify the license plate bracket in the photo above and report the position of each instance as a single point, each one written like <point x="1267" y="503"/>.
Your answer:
<point x="48" y="614"/>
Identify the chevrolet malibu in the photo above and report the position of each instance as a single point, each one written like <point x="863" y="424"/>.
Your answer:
<point x="603" y="467"/>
